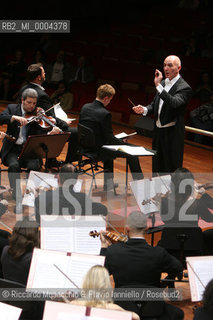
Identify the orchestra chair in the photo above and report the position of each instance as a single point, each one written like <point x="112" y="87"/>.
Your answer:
<point x="32" y="310"/>
<point x="181" y="242"/>
<point x="87" y="140"/>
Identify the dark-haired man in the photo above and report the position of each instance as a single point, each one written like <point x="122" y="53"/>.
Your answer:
<point x="36" y="77"/>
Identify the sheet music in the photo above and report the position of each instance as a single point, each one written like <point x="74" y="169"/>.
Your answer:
<point x="68" y="316"/>
<point x="71" y="233"/>
<point x="146" y="189"/>
<point x="202" y="267"/>
<point x="64" y="311"/>
<point x="9" y="312"/>
<point x="81" y="263"/>
<point x="38" y="179"/>
<point x="133" y="150"/>
<point x="123" y="135"/>
<point x="43" y="274"/>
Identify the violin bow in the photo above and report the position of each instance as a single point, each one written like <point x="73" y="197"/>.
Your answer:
<point x="110" y="225"/>
<point x="43" y="180"/>
<point x="66" y="276"/>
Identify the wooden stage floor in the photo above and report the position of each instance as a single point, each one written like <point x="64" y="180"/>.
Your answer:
<point x="195" y="159"/>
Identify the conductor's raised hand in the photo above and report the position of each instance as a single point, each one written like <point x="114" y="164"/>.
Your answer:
<point x="158" y="77"/>
<point x="138" y="109"/>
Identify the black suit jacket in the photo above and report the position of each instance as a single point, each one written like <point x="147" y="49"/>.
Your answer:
<point x="66" y="202"/>
<point x="45" y="102"/>
<point x="95" y="116"/>
<point x="174" y="103"/>
<point x="137" y="264"/>
<point x="13" y="128"/>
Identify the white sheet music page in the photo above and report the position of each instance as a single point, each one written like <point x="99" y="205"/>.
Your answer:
<point x="45" y="274"/>
<point x="144" y="190"/>
<point x="200" y="273"/>
<point x="8" y="312"/>
<point x="65" y="311"/>
<point x="39" y="179"/>
<point x="133" y="150"/>
<point x="35" y="180"/>
<point x="123" y="135"/>
<point x="71" y="233"/>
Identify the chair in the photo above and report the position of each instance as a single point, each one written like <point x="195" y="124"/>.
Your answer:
<point x="31" y="310"/>
<point x="182" y="242"/>
<point x="86" y="140"/>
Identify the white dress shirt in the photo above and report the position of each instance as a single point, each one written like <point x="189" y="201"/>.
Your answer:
<point x="160" y="88"/>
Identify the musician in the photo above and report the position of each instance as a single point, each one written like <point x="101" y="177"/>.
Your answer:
<point x="16" y="257"/>
<point x="14" y="117"/>
<point x="168" y="107"/>
<point x="65" y="200"/>
<point x="197" y="205"/>
<point x="205" y="311"/>
<point x="36" y="77"/>
<point x="97" y="278"/>
<point x="95" y="116"/>
<point x="135" y="264"/>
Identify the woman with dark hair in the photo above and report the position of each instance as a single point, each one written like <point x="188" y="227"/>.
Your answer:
<point x="206" y="311"/>
<point x="16" y="257"/>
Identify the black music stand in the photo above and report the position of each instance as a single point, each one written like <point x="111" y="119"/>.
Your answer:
<point x="43" y="146"/>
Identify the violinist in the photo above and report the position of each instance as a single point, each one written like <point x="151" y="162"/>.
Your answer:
<point x="15" y="118"/>
<point x="64" y="200"/>
<point x="135" y="264"/>
<point x="36" y="77"/>
<point x="196" y="201"/>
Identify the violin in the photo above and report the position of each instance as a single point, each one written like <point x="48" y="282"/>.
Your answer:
<point x="206" y="186"/>
<point x="112" y="236"/>
<point x="39" y="116"/>
<point x="7" y="136"/>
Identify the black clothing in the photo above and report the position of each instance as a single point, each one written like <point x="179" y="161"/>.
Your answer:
<point x="95" y="116"/>
<point x="169" y="141"/>
<point x="63" y="202"/>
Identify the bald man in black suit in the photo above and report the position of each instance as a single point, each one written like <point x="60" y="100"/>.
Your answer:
<point x="168" y="108"/>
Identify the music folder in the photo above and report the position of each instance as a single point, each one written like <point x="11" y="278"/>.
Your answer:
<point x="146" y="189"/>
<point x="71" y="233"/>
<point x="9" y="312"/>
<point x="64" y="311"/>
<point x="199" y="273"/>
<point x="44" y="271"/>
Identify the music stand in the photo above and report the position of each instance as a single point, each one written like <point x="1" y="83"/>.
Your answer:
<point x="43" y="146"/>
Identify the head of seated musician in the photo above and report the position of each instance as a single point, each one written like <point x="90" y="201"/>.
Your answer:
<point x="136" y="264"/>
<point x="16" y="257"/>
<point x="33" y="115"/>
<point x="97" y="278"/>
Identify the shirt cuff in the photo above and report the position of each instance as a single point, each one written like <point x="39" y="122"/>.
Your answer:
<point x="159" y="88"/>
<point x="145" y="111"/>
